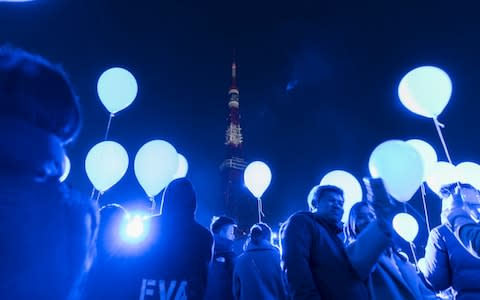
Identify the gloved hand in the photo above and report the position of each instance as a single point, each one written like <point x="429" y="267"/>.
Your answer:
<point x="384" y="206"/>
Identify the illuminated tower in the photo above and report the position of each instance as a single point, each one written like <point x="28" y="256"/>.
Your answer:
<point x="237" y="202"/>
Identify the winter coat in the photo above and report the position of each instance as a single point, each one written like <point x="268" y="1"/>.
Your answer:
<point x="178" y="251"/>
<point x="258" y="275"/>
<point x="449" y="264"/>
<point x="317" y="264"/>
<point x="220" y="273"/>
<point x="395" y="278"/>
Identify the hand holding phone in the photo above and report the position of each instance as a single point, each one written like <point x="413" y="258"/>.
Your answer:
<point x="377" y="196"/>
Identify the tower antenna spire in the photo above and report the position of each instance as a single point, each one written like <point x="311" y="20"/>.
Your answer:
<point x="234" y="70"/>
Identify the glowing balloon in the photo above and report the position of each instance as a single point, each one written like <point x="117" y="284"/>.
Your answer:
<point x="352" y="190"/>
<point x="442" y="173"/>
<point x="155" y="165"/>
<point x="182" y="167"/>
<point x="117" y="88"/>
<point x="66" y="168"/>
<point x="428" y="154"/>
<point x="469" y="172"/>
<point x="400" y="166"/>
<point x="257" y="178"/>
<point x="105" y="164"/>
<point x="425" y="91"/>
<point x="406" y="226"/>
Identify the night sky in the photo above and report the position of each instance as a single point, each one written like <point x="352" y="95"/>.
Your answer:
<point x="318" y="82"/>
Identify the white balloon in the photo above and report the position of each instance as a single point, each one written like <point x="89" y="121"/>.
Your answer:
<point x="400" y="166"/>
<point x="406" y="226"/>
<point x="352" y="190"/>
<point x="117" y="88"/>
<point x="469" y="172"/>
<point x="66" y="168"/>
<point x="105" y="164"/>
<point x="425" y="91"/>
<point x="155" y="165"/>
<point x="182" y="167"/>
<point x="428" y="154"/>
<point x="441" y="173"/>
<point x="257" y="178"/>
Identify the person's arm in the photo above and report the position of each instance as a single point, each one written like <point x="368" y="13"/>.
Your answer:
<point x="465" y="230"/>
<point x="365" y="251"/>
<point x="296" y="245"/>
<point x="437" y="271"/>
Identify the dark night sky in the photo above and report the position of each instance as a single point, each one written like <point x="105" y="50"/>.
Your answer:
<point x="347" y="57"/>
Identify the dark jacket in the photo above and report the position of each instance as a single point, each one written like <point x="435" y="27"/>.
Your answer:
<point x="176" y="262"/>
<point x="220" y="272"/>
<point x="47" y="229"/>
<point x="395" y="278"/>
<point x="318" y="266"/>
<point x="258" y="275"/>
<point x="448" y="263"/>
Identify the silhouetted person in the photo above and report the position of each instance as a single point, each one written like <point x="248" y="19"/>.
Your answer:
<point x="175" y="265"/>
<point x="47" y="229"/>
<point x="220" y="273"/>
<point x="257" y="273"/>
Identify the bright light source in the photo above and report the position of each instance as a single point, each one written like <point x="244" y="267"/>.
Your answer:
<point x="134" y="228"/>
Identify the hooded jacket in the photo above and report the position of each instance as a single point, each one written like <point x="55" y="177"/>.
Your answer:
<point x="449" y="264"/>
<point x="258" y="275"/>
<point x="176" y="262"/>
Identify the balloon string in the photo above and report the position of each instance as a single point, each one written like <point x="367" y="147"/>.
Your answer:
<point x="412" y="248"/>
<point x="108" y="126"/>
<point x="92" y="195"/>
<point x="424" y="198"/>
<point x="439" y="125"/>
<point x="260" y="210"/>
<point x="154" y="204"/>
<point x="98" y="196"/>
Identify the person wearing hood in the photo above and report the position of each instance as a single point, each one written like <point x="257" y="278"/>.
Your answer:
<point x="175" y="264"/>
<point x="315" y="261"/>
<point x="48" y="229"/>
<point x="220" y="272"/>
<point x="393" y="277"/>
<point x="448" y="263"/>
<point x="257" y="273"/>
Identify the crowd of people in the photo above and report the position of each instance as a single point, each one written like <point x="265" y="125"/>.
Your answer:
<point x="57" y="244"/>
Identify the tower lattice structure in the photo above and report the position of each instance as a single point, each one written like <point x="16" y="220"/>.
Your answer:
<point x="237" y="202"/>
